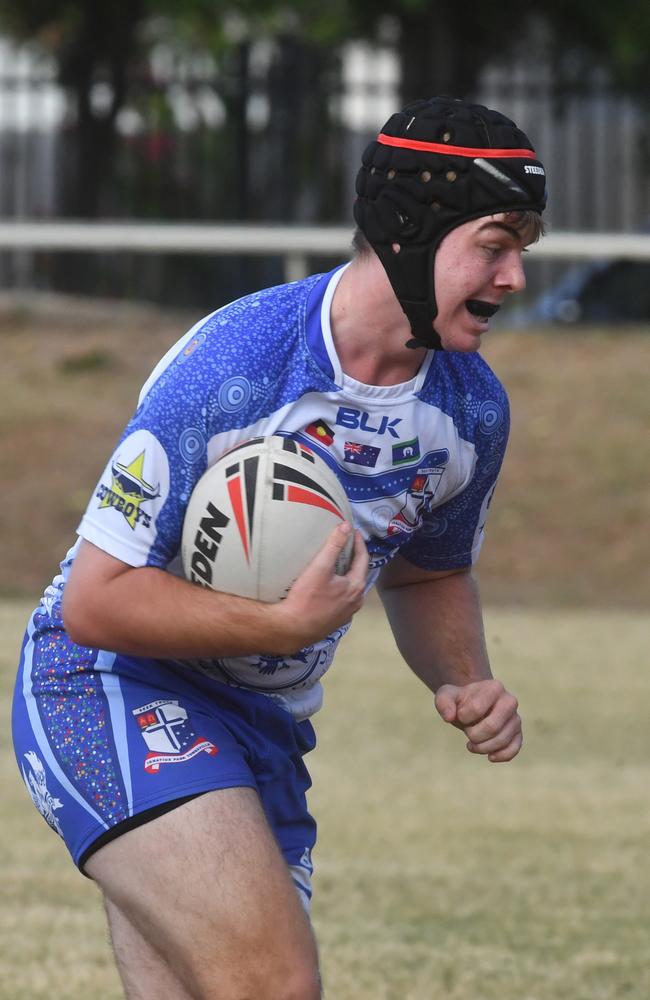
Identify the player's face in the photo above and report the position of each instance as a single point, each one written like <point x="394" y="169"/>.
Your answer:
<point x="477" y="265"/>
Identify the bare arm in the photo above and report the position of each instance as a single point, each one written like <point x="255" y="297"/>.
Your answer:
<point x="437" y="623"/>
<point x="438" y="626"/>
<point x="148" y="612"/>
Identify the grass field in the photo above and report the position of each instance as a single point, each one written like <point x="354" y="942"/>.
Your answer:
<point x="437" y="874"/>
<point x="569" y="521"/>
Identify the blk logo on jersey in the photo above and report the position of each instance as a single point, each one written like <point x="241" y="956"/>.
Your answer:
<point x="360" y="454"/>
<point x="354" y="419"/>
<point x="169" y="736"/>
<point x="128" y="491"/>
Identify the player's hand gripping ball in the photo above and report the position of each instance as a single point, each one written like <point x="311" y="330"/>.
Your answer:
<point x="259" y="515"/>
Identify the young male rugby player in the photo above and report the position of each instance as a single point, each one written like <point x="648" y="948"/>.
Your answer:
<point x="151" y="732"/>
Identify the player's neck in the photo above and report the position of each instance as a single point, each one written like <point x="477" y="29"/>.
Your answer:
<point x="369" y="328"/>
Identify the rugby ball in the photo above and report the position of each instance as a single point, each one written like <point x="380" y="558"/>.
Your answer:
<point x="258" y="516"/>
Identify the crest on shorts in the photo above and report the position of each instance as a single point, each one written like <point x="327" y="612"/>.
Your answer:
<point x="36" y="781"/>
<point x="168" y="734"/>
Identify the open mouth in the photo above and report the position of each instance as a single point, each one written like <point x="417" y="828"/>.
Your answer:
<point x="481" y="309"/>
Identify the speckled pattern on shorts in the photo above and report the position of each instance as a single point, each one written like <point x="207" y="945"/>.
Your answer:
<point x="71" y="702"/>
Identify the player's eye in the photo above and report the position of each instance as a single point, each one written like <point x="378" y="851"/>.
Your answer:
<point x="491" y="250"/>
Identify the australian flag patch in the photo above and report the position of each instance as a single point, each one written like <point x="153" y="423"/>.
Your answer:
<point x="360" y="454"/>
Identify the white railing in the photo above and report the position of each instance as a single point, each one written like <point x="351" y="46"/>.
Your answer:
<point x="296" y="244"/>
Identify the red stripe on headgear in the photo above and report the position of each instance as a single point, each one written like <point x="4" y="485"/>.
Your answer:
<point x="443" y="147"/>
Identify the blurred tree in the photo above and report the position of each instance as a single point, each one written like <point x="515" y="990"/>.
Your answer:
<point x="99" y="48"/>
<point x="443" y="46"/>
<point x="585" y="37"/>
<point x="94" y="44"/>
<point x="102" y="48"/>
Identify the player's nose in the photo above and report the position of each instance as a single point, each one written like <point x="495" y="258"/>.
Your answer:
<point x="511" y="275"/>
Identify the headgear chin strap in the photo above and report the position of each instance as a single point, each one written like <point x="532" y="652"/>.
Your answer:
<point x="435" y="165"/>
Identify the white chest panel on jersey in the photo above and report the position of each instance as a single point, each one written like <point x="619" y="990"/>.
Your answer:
<point x="418" y="460"/>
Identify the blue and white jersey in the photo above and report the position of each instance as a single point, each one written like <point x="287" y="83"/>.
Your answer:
<point x="418" y="460"/>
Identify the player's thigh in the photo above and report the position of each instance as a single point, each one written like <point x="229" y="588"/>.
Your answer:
<point x="145" y="973"/>
<point x="207" y="886"/>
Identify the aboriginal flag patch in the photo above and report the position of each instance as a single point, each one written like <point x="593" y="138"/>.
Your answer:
<point x="321" y="432"/>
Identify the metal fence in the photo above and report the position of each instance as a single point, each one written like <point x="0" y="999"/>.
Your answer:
<point x="244" y="142"/>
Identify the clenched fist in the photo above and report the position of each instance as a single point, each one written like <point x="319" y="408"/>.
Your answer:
<point x="488" y="716"/>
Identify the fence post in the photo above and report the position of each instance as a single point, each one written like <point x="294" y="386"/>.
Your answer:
<point x="295" y="266"/>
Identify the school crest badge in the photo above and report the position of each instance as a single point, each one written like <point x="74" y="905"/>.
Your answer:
<point x="168" y="734"/>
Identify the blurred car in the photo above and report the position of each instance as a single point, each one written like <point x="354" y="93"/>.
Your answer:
<point x="604" y="291"/>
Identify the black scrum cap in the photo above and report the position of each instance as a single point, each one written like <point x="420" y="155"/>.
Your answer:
<point x="437" y="164"/>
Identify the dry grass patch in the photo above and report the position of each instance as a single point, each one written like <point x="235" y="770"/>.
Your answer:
<point x="437" y="874"/>
<point x="568" y="524"/>
<point x="54" y="944"/>
<point x="70" y="378"/>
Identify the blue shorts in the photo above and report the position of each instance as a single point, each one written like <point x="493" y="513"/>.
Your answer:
<point x="105" y="742"/>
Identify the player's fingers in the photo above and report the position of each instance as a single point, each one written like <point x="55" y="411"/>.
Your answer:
<point x="446" y="702"/>
<point x="330" y="552"/>
<point x="513" y="748"/>
<point x="498" y="742"/>
<point x="358" y="570"/>
<point x="493" y="723"/>
<point x="478" y="699"/>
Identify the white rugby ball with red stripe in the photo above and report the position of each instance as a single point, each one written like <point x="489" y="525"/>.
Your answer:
<point x="259" y="515"/>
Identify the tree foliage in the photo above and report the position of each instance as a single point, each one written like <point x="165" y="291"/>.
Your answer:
<point x="442" y="45"/>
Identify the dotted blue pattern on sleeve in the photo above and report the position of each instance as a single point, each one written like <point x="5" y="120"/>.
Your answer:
<point x="245" y="362"/>
<point x="451" y="534"/>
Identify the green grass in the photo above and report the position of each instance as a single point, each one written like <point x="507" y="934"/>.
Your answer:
<point x="438" y="875"/>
